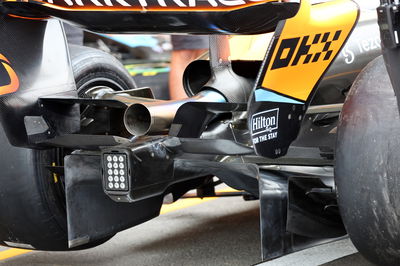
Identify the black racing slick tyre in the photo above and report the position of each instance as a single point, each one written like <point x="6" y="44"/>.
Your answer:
<point x="93" y="68"/>
<point x="31" y="210"/>
<point x="367" y="169"/>
<point x="32" y="197"/>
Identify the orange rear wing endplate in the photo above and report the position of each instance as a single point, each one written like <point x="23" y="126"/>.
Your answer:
<point x="300" y="53"/>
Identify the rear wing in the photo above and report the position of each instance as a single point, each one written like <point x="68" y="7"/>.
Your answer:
<point x="160" y="16"/>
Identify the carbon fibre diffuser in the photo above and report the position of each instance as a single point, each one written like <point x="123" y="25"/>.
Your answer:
<point x="136" y="171"/>
<point x="92" y="216"/>
<point x="146" y="171"/>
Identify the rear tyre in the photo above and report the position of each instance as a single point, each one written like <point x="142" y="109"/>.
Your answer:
<point x="94" y="68"/>
<point x="367" y="168"/>
<point x="32" y="198"/>
<point x="31" y="210"/>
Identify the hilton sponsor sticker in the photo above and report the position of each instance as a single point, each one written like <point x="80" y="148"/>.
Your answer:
<point x="264" y="125"/>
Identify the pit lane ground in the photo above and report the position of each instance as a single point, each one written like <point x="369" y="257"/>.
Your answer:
<point x="221" y="231"/>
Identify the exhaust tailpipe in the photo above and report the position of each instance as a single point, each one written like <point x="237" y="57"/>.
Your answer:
<point x="156" y="117"/>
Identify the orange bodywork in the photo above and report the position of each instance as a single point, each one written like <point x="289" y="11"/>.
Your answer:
<point x="249" y="47"/>
<point x="14" y="81"/>
<point x="307" y="45"/>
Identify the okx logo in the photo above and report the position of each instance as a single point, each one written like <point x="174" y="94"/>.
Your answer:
<point x="305" y="50"/>
<point x="9" y="81"/>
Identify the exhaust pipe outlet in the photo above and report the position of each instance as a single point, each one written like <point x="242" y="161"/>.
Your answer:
<point x="156" y="117"/>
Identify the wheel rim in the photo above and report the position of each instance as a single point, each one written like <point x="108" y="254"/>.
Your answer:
<point x="101" y="84"/>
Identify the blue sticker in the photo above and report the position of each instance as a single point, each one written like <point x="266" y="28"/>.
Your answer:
<point x="262" y="95"/>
